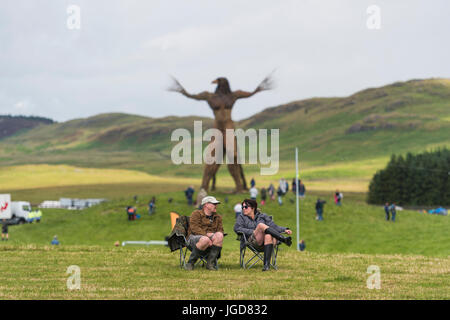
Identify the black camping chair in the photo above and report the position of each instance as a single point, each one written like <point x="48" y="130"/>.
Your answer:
<point x="258" y="254"/>
<point x="177" y="241"/>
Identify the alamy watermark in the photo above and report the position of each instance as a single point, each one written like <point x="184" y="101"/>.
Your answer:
<point x="374" y="20"/>
<point x="374" y="280"/>
<point x="235" y="147"/>
<point x="74" y="18"/>
<point x="74" y="280"/>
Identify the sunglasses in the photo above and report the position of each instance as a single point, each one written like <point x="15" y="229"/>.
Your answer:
<point x="245" y="207"/>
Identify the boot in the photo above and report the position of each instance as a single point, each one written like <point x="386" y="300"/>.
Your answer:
<point x="196" y="253"/>
<point x="212" y="256"/>
<point x="274" y="233"/>
<point x="268" y="248"/>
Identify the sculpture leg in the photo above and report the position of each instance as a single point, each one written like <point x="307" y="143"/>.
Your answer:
<point x="235" y="172"/>
<point x="213" y="187"/>
<point x="244" y="182"/>
<point x="208" y="173"/>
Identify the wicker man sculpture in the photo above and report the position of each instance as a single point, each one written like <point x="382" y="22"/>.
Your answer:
<point x="221" y="102"/>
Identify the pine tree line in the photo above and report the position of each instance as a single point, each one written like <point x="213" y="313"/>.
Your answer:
<point x="33" y="118"/>
<point x="422" y="179"/>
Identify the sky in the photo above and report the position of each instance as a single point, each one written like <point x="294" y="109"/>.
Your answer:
<point x="117" y="56"/>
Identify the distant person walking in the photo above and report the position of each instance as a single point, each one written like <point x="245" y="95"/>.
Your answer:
<point x="253" y="193"/>
<point x="5" y="234"/>
<point x="386" y="211"/>
<point x="252" y="183"/>
<point x="338" y="198"/>
<point x="283" y="185"/>
<point x="393" y="212"/>
<point x="152" y="206"/>
<point x="301" y="189"/>
<point x="319" y="209"/>
<point x="271" y="191"/>
<point x="280" y="195"/>
<point x="294" y="185"/>
<point x="189" y="192"/>
<point x="263" y="196"/>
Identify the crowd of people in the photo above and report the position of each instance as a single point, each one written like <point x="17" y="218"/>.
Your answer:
<point x="270" y="193"/>
<point x="280" y="192"/>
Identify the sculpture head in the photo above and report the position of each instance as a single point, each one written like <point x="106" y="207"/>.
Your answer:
<point x="223" y="86"/>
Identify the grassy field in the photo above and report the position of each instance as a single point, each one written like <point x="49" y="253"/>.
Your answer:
<point x="39" y="272"/>
<point x="352" y="228"/>
<point x="412" y="255"/>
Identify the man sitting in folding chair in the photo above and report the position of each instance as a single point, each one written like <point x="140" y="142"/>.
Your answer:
<point x="205" y="231"/>
<point x="259" y="231"/>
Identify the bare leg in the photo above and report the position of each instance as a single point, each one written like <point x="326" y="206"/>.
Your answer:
<point x="217" y="239"/>
<point x="261" y="237"/>
<point x="204" y="243"/>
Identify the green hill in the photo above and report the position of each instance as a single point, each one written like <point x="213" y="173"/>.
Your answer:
<point x="374" y="123"/>
<point x="11" y="125"/>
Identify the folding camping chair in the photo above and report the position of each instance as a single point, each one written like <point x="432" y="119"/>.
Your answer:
<point x="257" y="256"/>
<point x="177" y="241"/>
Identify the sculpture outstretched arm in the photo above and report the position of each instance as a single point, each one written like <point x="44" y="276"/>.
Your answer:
<point x="266" y="84"/>
<point x="177" y="87"/>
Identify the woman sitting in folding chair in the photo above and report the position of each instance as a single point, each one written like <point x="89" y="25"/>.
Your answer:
<point x="262" y="233"/>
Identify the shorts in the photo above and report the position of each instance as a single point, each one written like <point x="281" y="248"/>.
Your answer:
<point x="5" y="228"/>
<point x="193" y="239"/>
<point x="254" y="243"/>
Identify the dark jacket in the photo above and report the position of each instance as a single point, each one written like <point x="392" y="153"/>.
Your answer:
<point x="189" y="192"/>
<point x="319" y="205"/>
<point x="301" y="188"/>
<point x="246" y="225"/>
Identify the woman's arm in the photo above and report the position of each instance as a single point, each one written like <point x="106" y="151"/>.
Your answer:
<point x="239" y="226"/>
<point x="270" y="223"/>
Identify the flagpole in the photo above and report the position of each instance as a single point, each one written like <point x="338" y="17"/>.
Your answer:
<point x="296" y="193"/>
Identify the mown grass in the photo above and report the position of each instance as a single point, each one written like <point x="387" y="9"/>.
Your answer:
<point x="153" y="273"/>
<point x="412" y="253"/>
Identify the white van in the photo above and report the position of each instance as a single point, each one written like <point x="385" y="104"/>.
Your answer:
<point x="20" y="210"/>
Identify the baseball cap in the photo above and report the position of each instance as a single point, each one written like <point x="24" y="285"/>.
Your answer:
<point x="209" y="199"/>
